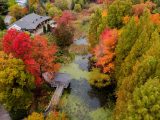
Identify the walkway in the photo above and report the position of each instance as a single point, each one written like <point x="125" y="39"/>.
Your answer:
<point x="4" y="115"/>
<point x="55" y="99"/>
<point x="61" y="81"/>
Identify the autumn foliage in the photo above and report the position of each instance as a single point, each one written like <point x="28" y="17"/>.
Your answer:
<point x="127" y="18"/>
<point x="155" y="18"/>
<point x="106" y="1"/>
<point x="43" y="54"/>
<point x="66" y="18"/>
<point x="104" y="51"/>
<point x="138" y="9"/>
<point x="64" y="32"/>
<point x="37" y="55"/>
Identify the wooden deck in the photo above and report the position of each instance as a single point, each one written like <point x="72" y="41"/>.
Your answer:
<point x="55" y="99"/>
<point x="60" y="82"/>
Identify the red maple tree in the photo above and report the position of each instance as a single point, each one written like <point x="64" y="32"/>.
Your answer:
<point x="37" y="55"/>
<point x="44" y="54"/>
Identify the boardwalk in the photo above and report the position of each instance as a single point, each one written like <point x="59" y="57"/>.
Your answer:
<point x="4" y="115"/>
<point x="55" y="99"/>
<point x="60" y="82"/>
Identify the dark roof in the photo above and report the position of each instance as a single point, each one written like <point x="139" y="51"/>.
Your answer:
<point x="30" y="21"/>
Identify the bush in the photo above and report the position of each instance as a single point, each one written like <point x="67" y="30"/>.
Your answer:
<point x="52" y="10"/>
<point x="117" y="10"/>
<point x="64" y="35"/>
<point x="77" y="8"/>
<point x="98" y="79"/>
<point x="157" y="10"/>
<point x="36" y="116"/>
<point x="62" y="4"/>
<point x="17" y="11"/>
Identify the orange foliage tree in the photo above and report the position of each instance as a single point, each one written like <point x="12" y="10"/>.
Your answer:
<point x="127" y="18"/>
<point x="155" y="18"/>
<point x="104" y="51"/>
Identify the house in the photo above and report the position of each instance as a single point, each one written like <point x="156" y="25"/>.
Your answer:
<point x="33" y="23"/>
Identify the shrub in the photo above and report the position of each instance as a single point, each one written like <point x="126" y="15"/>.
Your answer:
<point x="117" y="10"/>
<point x="36" y="116"/>
<point x="52" y="10"/>
<point x="62" y="4"/>
<point x="77" y="8"/>
<point x="98" y="79"/>
<point x="64" y="35"/>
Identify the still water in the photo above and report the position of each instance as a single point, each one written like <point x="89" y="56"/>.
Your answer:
<point x="81" y="101"/>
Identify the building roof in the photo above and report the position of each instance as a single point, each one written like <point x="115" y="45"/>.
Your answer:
<point x="30" y="21"/>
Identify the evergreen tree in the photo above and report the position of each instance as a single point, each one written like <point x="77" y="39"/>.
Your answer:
<point x="140" y="46"/>
<point x="145" y="67"/>
<point x="117" y="10"/>
<point x="93" y="30"/>
<point x="146" y="101"/>
<point x="125" y="43"/>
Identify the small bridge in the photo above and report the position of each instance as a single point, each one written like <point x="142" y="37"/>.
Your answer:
<point x="61" y="81"/>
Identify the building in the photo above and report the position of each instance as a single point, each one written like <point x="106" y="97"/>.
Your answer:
<point x="33" y="23"/>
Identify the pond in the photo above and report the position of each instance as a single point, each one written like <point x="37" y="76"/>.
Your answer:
<point x="81" y="101"/>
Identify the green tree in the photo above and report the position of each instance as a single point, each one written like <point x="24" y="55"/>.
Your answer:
<point x="126" y="41"/>
<point x="52" y="10"/>
<point x="139" y="46"/>
<point x="98" y="79"/>
<point x="2" y="24"/>
<point x="144" y="68"/>
<point x="117" y="10"/>
<point x="157" y="2"/>
<point x="77" y="8"/>
<point x="94" y="28"/>
<point x="62" y="4"/>
<point x="146" y="101"/>
<point x="16" y="84"/>
<point x="1" y="36"/>
<point x="11" y="2"/>
<point x="3" y="7"/>
<point x="17" y="11"/>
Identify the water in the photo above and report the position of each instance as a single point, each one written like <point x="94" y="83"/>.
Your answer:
<point x="81" y="101"/>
